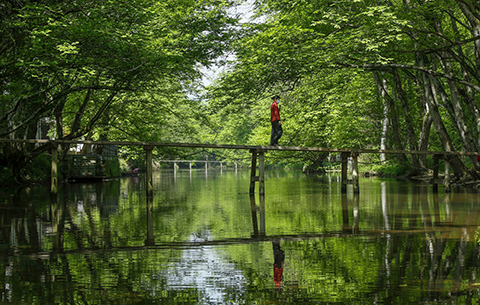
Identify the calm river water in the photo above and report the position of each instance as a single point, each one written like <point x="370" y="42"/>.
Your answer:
<point x="203" y="240"/>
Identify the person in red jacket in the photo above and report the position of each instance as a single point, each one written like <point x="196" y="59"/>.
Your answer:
<point x="277" y="130"/>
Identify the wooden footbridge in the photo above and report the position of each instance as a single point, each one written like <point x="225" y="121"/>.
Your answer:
<point x="258" y="156"/>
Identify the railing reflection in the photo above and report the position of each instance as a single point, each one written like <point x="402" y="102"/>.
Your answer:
<point x="150" y="234"/>
<point x="57" y="212"/>
<point x="355" y="203"/>
<point x="260" y="220"/>
<point x="259" y="230"/>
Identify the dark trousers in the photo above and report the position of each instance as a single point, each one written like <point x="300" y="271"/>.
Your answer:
<point x="277" y="132"/>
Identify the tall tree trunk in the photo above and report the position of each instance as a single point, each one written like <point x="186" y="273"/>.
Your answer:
<point x="425" y="136"/>
<point x="467" y="93"/>
<point x="389" y="113"/>
<point x="410" y="130"/>
<point x="472" y="13"/>
<point x="458" y="167"/>
<point x="454" y="104"/>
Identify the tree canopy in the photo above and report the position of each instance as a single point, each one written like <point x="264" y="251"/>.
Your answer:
<point x="365" y="74"/>
<point x="351" y="74"/>
<point x="88" y="67"/>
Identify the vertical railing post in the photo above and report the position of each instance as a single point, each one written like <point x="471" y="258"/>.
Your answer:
<point x="344" y="157"/>
<point x="149" y="168"/>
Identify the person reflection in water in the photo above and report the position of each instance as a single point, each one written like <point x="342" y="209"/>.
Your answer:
<point x="278" y="256"/>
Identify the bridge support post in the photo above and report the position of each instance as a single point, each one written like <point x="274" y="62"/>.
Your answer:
<point x="54" y="173"/>
<point x="356" y="187"/>
<point x="253" y="172"/>
<point x="261" y="173"/>
<point x="260" y="154"/>
<point x="344" y="157"/>
<point x="149" y="173"/>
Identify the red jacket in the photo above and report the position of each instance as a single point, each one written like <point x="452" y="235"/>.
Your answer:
<point x="274" y="112"/>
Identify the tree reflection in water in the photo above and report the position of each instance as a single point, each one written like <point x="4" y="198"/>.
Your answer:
<point x="202" y="241"/>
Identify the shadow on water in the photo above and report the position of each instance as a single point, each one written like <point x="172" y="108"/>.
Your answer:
<point x="202" y="240"/>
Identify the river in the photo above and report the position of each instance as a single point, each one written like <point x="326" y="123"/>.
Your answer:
<point x="202" y="239"/>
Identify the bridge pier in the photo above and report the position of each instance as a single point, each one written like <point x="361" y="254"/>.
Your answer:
<point x="354" y="172"/>
<point x="261" y="172"/>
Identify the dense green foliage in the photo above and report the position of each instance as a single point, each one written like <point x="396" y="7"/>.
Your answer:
<point x="360" y="74"/>
<point x="108" y="69"/>
<point x="351" y="74"/>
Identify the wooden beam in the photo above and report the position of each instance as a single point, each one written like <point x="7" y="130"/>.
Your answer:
<point x="245" y="147"/>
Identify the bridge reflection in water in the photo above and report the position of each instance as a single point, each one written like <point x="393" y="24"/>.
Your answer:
<point x="396" y="242"/>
